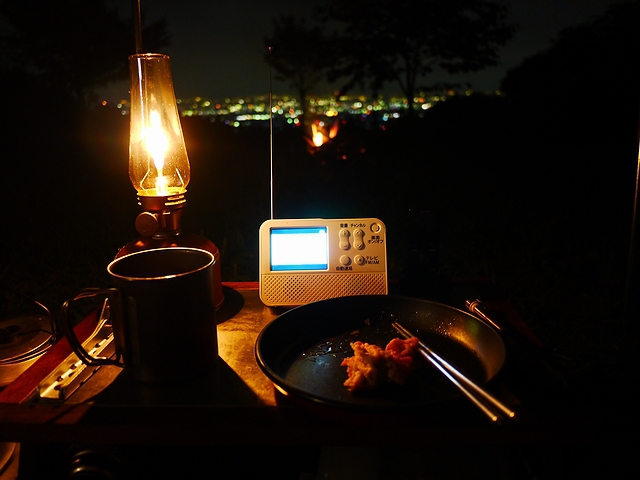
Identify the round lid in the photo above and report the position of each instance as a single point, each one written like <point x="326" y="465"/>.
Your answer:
<point x="23" y="336"/>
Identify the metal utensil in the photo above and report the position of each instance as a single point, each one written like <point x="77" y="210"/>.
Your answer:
<point x="490" y="406"/>
<point x="72" y="373"/>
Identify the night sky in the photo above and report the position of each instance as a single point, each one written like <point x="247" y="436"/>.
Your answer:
<point x="217" y="48"/>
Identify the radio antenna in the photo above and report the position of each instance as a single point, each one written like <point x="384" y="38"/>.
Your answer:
<point x="271" y="132"/>
<point x="137" y="25"/>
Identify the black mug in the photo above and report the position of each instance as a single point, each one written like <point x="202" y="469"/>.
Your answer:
<point x="162" y="310"/>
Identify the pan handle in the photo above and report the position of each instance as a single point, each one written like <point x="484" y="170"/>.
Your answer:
<point x="478" y="308"/>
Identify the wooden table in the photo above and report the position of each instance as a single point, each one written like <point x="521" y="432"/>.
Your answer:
<point x="237" y="406"/>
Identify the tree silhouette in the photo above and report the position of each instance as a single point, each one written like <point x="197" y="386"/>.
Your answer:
<point x="69" y="47"/>
<point x="580" y="96"/>
<point x="299" y="54"/>
<point x="583" y="91"/>
<point x="600" y="55"/>
<point x="403" y="40"/>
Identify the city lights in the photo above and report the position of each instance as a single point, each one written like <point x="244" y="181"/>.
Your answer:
<point x="249" y="110"/>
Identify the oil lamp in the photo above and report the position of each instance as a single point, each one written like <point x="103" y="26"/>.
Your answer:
<point x="158" y="163"/>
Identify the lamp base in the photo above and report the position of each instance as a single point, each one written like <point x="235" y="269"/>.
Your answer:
<point x="181" y="240"/>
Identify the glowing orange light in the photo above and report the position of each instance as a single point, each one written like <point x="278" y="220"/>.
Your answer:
<point x="281" y="390"/>
<point x="158" y="161"/>
<point x="320" y="132"/>
<point x="333" y="131"/>
<point x="317" y="137"/>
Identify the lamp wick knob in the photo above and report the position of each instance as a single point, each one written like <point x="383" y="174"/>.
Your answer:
<point x="147" y="224"/>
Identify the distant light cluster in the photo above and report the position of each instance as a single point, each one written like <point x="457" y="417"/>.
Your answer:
<point x="244" y="111"/>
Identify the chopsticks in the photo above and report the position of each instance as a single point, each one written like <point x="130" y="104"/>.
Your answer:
<point x="490" y="406"/>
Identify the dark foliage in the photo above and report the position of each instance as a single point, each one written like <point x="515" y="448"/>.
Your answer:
<point x="68" y="48"/>
<point x="299" y="55"/>
<point x="369" y="44"/>
<point x="419" y="36"/>
<point x="579" y="103"/>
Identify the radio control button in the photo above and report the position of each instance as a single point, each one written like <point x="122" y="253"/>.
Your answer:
<point x="345" y="260"/>
<point x="344" y="239"/>
<point x="359" y="260"/>
<point x="358" y="238"/>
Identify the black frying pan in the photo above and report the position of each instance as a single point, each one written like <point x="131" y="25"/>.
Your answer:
<point x="301" y="350"/>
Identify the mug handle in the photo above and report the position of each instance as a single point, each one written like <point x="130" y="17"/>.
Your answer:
<point x="115" y="306"/>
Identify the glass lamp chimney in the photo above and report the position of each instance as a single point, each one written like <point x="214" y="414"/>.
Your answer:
<point x="158" y="161"/>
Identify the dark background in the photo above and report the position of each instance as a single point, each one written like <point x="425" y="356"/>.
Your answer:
<point x="532" y="190"/>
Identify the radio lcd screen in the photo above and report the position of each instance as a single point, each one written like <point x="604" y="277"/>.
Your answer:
<point x="299" y="248"/>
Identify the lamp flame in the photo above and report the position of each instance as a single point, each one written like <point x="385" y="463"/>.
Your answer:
<point x="158" y="161"/>
<point x="157" y="144"/>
